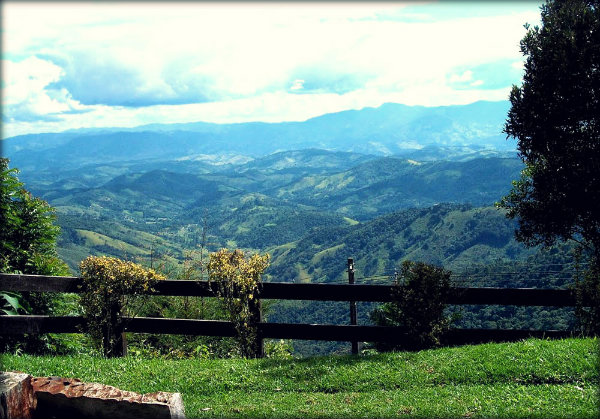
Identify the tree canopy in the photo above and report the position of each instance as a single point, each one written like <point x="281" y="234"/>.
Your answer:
<point x="555" y="116"/>
<point x="28" y="234"/>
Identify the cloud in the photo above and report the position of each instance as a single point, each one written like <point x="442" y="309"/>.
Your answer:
<point x="24" y="93"/>
<point x="80" y="61"/>
<point x="298" y="84"/>
<point x="488" y="76"/>
<point x="467" y="76"/>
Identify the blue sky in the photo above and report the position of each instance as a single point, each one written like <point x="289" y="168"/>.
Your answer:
<point x="76" y="64"/>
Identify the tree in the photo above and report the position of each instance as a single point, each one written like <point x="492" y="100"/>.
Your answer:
<point x="555" y="116"/>
<point x="28" y="234"/>
<point x="27" y="245"/>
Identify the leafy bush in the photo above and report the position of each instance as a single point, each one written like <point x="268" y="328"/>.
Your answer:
<point x="109" y="285"/>
<point x="587" y="291"/>
<point x="11" y="304"/>
<point x="238" y="278"/>
<point x="419" y="306"/>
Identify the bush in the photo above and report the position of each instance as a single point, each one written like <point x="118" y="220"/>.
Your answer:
<point x="587" y="291"/>
<point x="109" y="285"/>
<point x="419" y="306"/>
<point x="238" y="278"/>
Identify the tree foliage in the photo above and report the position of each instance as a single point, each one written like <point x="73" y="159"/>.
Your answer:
<point x="28" y="234"/>
<point x="555" y="116"/>
<point x="28" y="246"/>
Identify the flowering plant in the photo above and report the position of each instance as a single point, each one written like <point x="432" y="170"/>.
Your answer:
<point x="237" y="278"/>
<point x="109" y="285"/>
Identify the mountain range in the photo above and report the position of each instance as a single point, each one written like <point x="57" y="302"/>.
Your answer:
<point x="391" y="129"/>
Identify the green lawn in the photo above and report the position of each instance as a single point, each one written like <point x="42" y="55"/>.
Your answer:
<point x="532" y="378"/>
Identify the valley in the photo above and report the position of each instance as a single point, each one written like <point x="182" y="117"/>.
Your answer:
<point x="381" y="185"/>
<point x="263" y="209"/>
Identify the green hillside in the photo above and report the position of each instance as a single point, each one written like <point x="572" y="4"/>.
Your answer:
<point x="389" y="184"/>
<point x="273" y="201"/>
<point x="453" y="236"/>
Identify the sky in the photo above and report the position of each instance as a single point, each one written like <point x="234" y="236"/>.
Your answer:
<point x="115" y="64"/>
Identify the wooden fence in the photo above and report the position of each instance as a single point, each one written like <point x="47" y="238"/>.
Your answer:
<point x="36" y="324"/>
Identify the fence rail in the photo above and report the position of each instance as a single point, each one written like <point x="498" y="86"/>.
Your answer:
<point x="313" y="292"/>
<point x="288" y="291"/>
<point x="16" y="325"/>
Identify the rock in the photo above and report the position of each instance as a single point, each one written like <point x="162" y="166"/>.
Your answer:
<point x="63" y="397"/>
<point x="17" y="399"/>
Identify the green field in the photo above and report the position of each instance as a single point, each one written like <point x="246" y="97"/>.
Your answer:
<point x="527" y="379"/>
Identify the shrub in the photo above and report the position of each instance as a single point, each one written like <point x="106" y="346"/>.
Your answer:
<point x="418" y="306"/>
<point x="109" y="286"/>
<point x="587" y="292"/>
<point x="237" y="278"/>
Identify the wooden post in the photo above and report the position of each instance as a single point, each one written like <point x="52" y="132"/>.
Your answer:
<point x="123" y="344"/>
<point x="352" y="303"/>
<point x="257" y="318"/>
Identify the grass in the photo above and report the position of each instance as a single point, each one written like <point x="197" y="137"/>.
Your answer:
<point x="528" y="379"/>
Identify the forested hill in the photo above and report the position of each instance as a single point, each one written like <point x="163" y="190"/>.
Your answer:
<point x="453" y="236"/>
<point x="387" y="184"/>
<point x="255" y="205"/>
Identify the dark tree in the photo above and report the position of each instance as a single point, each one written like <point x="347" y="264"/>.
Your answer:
<point x="555" y="116"/>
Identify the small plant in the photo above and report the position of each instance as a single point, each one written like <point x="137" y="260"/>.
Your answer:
<point x="109" y="285"/>
<point x="11" y="304"/>
<point x="279" y="349"/>
<point x="237" y="278"/>
<point x="587" y="292"/>
<point x="419" y="306"/>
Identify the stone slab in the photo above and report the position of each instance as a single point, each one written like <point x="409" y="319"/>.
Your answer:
<point x="17" y="399"/>
<point x="59" y="397"/>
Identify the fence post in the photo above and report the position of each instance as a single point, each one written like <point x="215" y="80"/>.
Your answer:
<point x="257" y="318"/>
<point x="352" y="303"/>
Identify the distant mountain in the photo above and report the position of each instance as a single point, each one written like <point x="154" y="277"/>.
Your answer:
<point x="306" y="161"/>
<point x="391" y="129"/>
<point x="356" y="186"/>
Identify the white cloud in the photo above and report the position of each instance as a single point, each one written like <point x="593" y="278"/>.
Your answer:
<point x="464" y="77"/>
<point x="297" y="85"/>
<point x="132" y="62"/>
<point x="27" y="77"/>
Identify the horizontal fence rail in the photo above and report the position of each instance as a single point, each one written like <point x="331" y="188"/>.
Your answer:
<point x="314" y="292"/>
<point x="17" y="325"/>
<point x="35" y="324"/>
